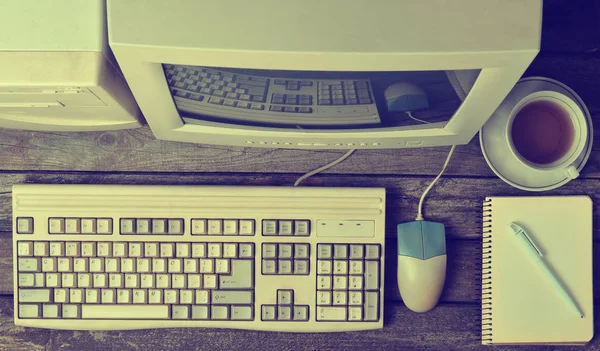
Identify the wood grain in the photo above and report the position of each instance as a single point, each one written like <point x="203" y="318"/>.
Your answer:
<point x="454" y="201"/>
<point x="138" y="151"/>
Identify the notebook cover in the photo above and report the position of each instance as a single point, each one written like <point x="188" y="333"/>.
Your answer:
<point x="519" y="305"/>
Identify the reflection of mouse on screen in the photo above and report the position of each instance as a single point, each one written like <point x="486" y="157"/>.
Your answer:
<point x="406" y="97"/>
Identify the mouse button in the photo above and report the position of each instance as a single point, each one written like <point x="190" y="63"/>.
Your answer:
<point x="434" y="239"/>
<point x="410" y="241"/>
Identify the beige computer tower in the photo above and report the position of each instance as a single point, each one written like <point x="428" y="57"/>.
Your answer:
<point x="57" y="72"/>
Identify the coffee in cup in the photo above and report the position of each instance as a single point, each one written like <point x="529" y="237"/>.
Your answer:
<point x="547" y="131"/>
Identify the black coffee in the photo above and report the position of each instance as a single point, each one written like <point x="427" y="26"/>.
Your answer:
<point x="542" y="132"/>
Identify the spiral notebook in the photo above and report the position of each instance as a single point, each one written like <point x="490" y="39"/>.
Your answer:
<point x="519" y="305"/>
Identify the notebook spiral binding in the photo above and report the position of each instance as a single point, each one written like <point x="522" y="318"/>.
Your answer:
<point x="486" y="274"/>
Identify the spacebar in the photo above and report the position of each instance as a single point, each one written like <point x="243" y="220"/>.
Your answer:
<point x="125" y="312"/>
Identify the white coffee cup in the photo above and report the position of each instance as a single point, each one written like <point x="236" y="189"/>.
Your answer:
<point x="571" y="149"/>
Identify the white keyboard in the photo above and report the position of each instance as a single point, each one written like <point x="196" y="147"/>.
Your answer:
<point x="93" y="257"/>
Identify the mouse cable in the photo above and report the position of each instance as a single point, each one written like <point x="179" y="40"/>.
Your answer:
<point x="420" y="213"/>
<point x="409" y="114"/>
<point x="327" y="166"/>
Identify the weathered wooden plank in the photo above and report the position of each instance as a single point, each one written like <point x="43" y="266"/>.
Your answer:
<point x="577" y="71"/>
<point x="571" y="26"/>
<point x="447" y="327"/>
<point x="456" y="202"/>
<point x="138" y="151"/>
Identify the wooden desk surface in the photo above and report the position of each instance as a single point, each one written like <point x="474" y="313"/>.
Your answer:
<point x="570" y="53"/>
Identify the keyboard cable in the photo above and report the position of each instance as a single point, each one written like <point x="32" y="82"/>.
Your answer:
<point x="327" y="166"/>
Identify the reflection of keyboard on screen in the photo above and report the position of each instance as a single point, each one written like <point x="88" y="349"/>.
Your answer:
<point x="262" y="258"/>
<point x="253" y="99"/>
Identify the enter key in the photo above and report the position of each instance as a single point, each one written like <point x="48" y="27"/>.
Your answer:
<point x="241" y="277"/>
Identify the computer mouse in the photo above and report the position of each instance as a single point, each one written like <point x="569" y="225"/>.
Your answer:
<point x="405" y="97"/>
<point x="421" y="263"/>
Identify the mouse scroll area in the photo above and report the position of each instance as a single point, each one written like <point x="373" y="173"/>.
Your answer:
<point x="421" y="263"/>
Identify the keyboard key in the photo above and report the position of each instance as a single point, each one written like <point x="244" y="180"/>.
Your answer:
<point x="214" y="250"/>
<point x="178" y="281"/>
<point x="242" y="273"/>
<point x="53" y="280"/>
<point x="340" y="251"/>
<point x="198" y="250"/>
<point x="25" y="248"/>
<point x="25" y="225"/>
<point x="340" y="298"/>
<point x="34" y="295"/>
<point x="372" y="252"/>
<point x="246" y="250"/>
<point x="198" y="226"/>
<point x="323" y="282"/>
<point x="56" y="225"/>
<point x="123" y="296"/>
<point x="26" y="280"/>
<point x="147" y="281"/>
<point x="76" y="295"/>
<point x="159" y="226"/>
<point x="301" y="313"/>
<point x="285" y="251"/>
<point x="57" y="249"/>
<point x="206" y="265"/>
<point x="127" y="226"/>
<point x="167" y="249"/>
<point x="269" y="266"/>
<point x="215" y="227"/>
<point x="284" y="297"/>
<point x="182" y="250"/>
<point x="231" y="297"/>
<point x="104" y="249"/>
<point x="190" y="265"/>
<point x="340" y="267"/>
<point x="230" y="227"/>
<point x="356" y="298"/>
<point x="180" y="312"/>
<point x="51" y="311"/>
<point x="49" y="264"/>
<point x="331" y="313"/>
<point x="219" y="312"/>
<point x="210" y="281"/>
<point x="150" y="250"/>
<point x="284" y="267"/>
<point x="323" y="298"/>
<point x="356" y="283"/>
<point x="230" y="250"/>
<point x="222" y="266"/>
<point x="143" y="226"/>
<point x="285" y="227"/>
<point x="65" y="264"/>
<point x="305" y="109"/>
<point x="124" y="312"/>
<point x="301" y="267"/>
<point x="41" y="248"/>
<point x="301" y="250"/>
<point x="135" y="249"/>
<point x="186" y="297"/>
<point x="256" y="106"/>
<point x="84" y="280"/>
<point x="127" y="265"/>
<point x="284" y="313"/>
<point x="241" y="313"/>
<point x="29" y="264"/>
<point x="108" y="296"/>
<point x="371" y="275"/>
<point x="163" y="281"/>
<point x="268" y="312"/>
<point x="73" y="311"/>
<point x="356" y="251"/>
<point x="139" y="296"/>
<point x="340" y="282"/>
<point x="175" y="265"/>
<point x="155" y="296"/>
<point x="132" y="280"/>
<point x="72" y="226"/>
<point x="269" y="227"/>
<point x="175" y="226"/>
<point x="143" y="265"/>
<point x="88" y="249"/>
<point x="371" y="306"/>
<point x="324" y="251"/>
<point x="356" y="267"/>
<point x="104" y="226"/>
<point x="72" y="249"/>
<point x="115" y="280"/>
<point x="200" y="312"/>
<point x="247" y="227"/>
<point x="355" y="313"/>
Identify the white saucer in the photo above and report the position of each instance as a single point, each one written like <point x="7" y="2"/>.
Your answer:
<point x="495" y="146"/>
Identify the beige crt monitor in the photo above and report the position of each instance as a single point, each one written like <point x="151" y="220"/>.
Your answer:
<point x="57" y="72"/>
<point x="464" y="55"/>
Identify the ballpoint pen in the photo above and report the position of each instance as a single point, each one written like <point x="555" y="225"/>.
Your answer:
<point x="536" y="256"/>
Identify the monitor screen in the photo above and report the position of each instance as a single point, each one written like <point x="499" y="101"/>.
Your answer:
<point x="321" y="100"/>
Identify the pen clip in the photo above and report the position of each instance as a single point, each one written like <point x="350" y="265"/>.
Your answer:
<point x="518" y="230"/>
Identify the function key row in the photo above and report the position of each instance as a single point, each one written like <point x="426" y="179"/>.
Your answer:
<point x="272" y="227"/>
<point x="155" y="226"/>
<point x="212" y="226"/>
<point x="61" y="225"/>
